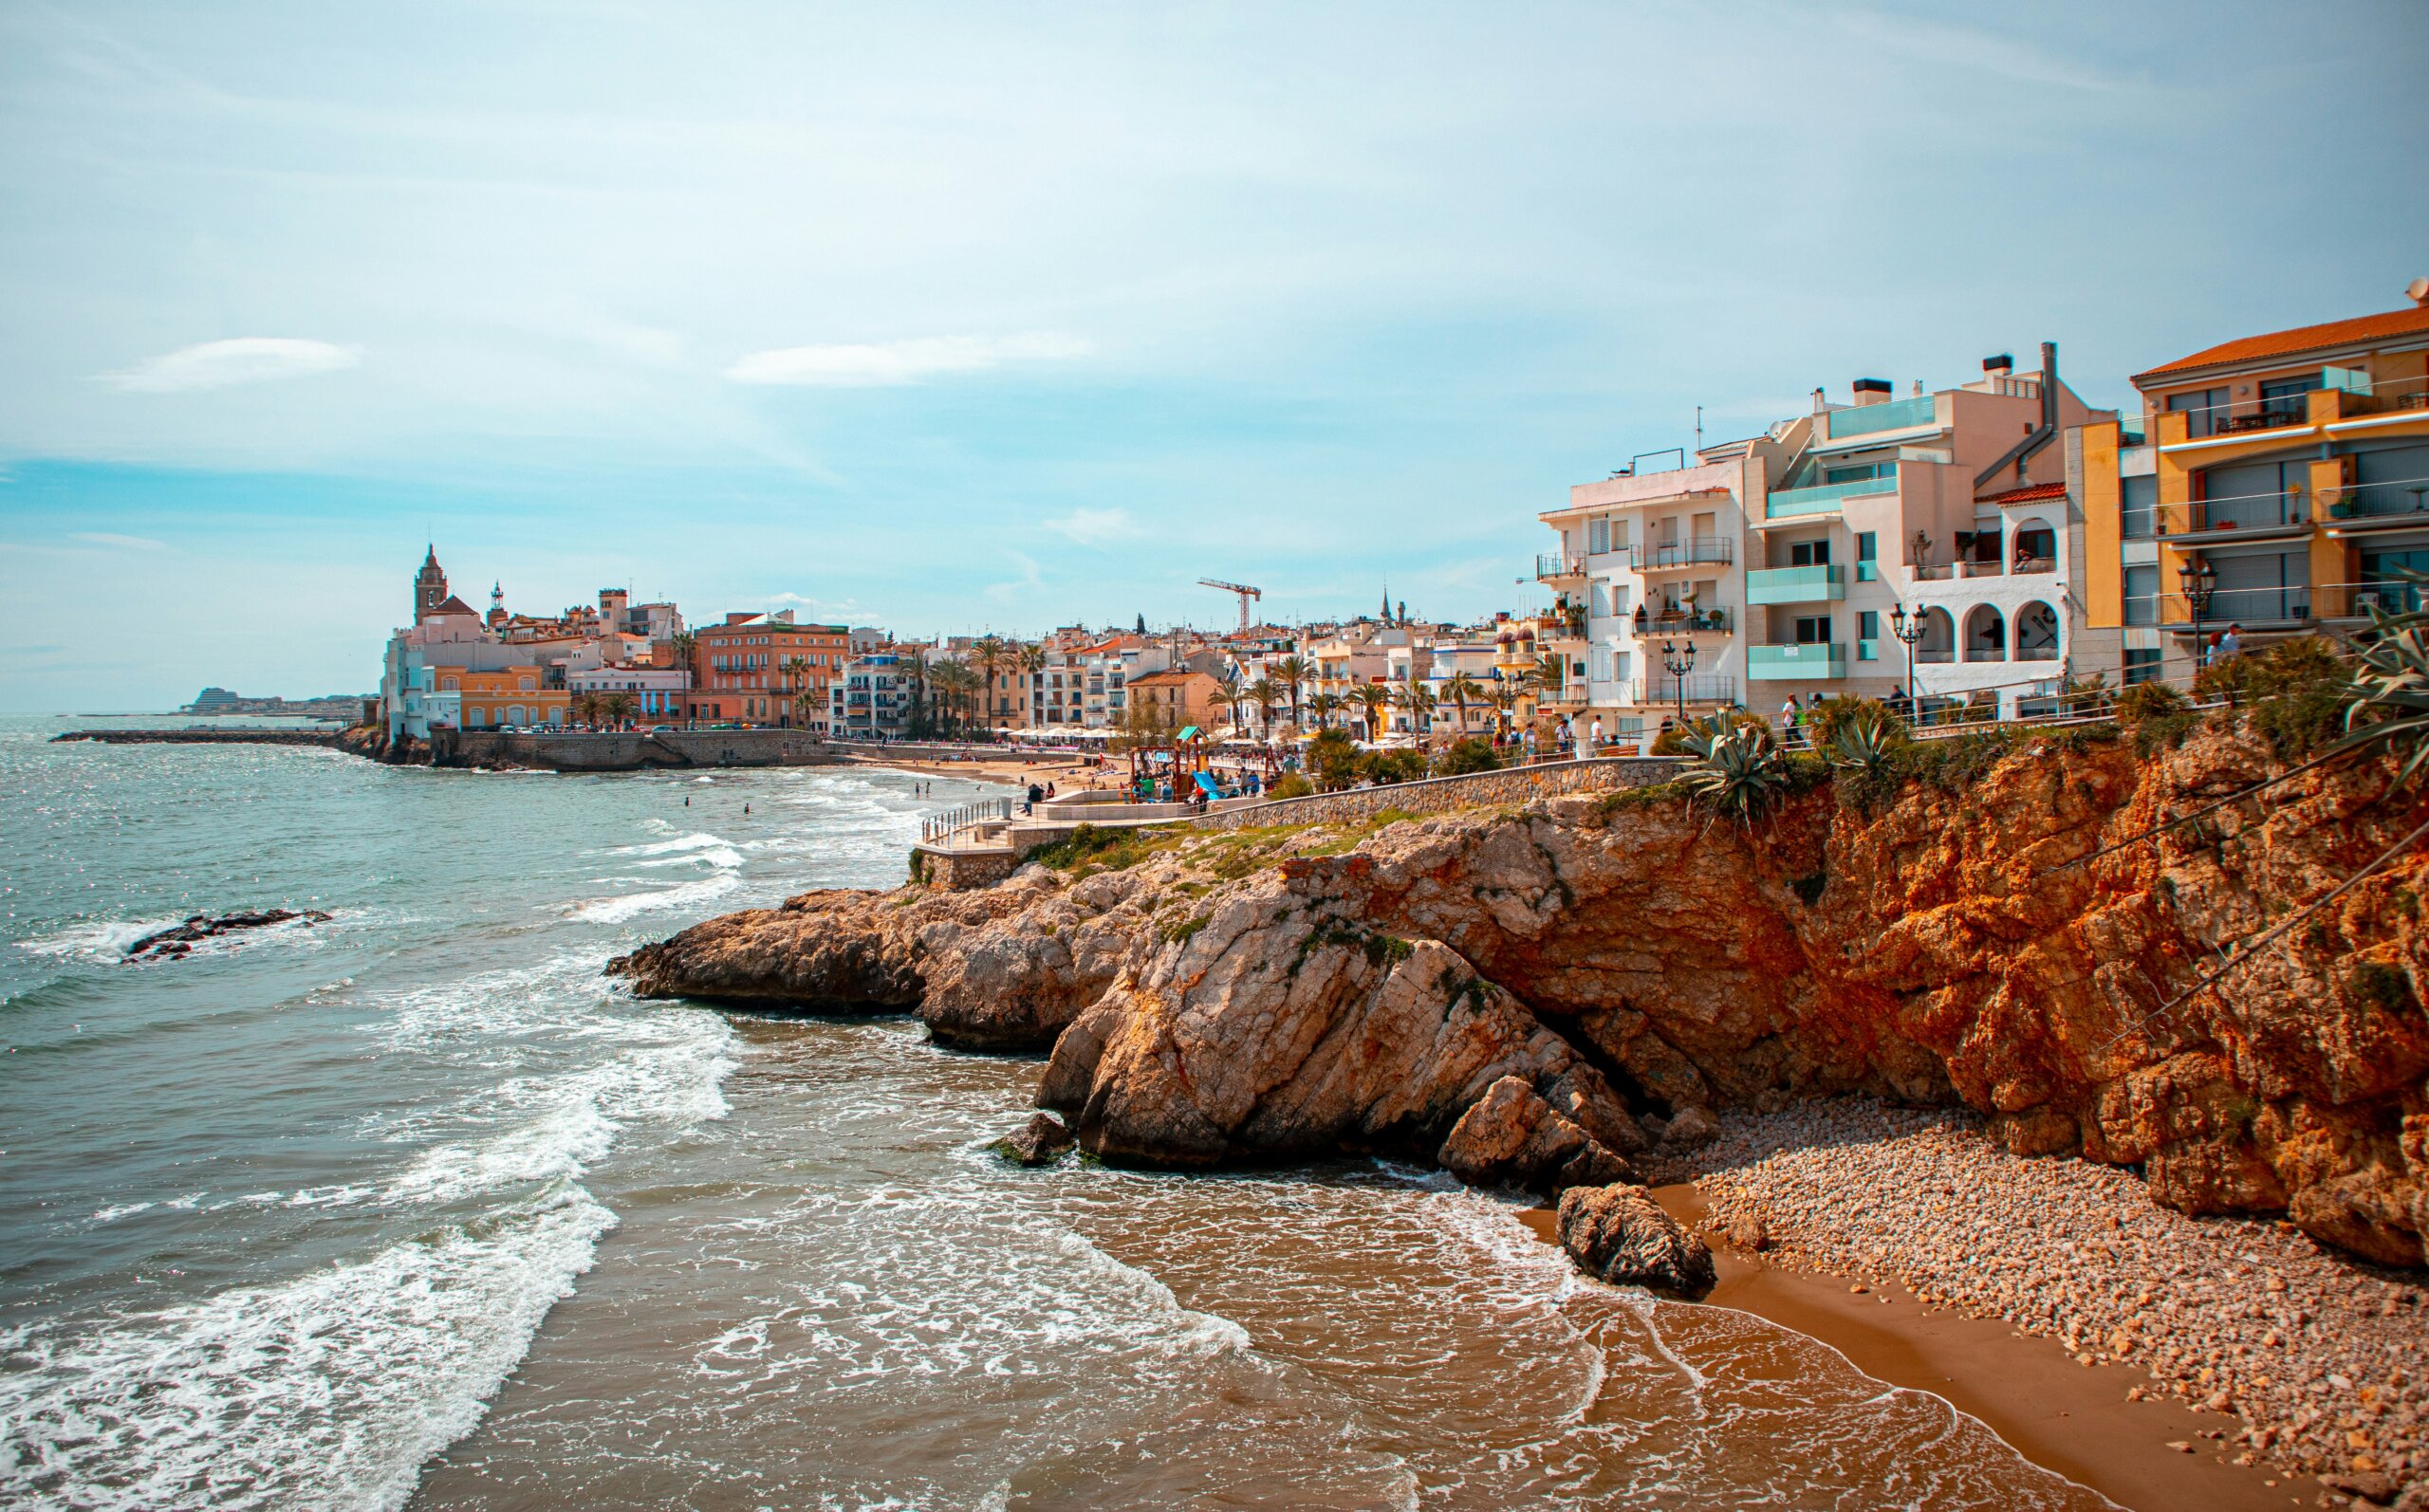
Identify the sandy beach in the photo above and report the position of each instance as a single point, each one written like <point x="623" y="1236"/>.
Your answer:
<point x="2164" y="1360"/>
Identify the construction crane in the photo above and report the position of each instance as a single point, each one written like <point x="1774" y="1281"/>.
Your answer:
<point x="1245" y="592"/>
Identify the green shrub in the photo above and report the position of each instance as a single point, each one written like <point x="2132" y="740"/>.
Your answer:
<point x="1469" y="755"/>
<point x="1671" y="742"/>
<point x="2149" y="700"/>
<point x="1293" y="786"/>
<point x="2295" y="692"/>
<point x="1334" y="759"/>
<point x="1387" y="767"/>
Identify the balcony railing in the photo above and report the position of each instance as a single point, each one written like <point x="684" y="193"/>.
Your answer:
<point x="1899" y="414"/>
<point x="1807" y="663"/>
<point x="1796" y="584"/>
<point x="1559" y="564"/>
<point x="1679" y="622"/>
<point x="2248" y="606"/>
<point x="2272" y="511"/>
<point x="2352" y="601"/>
<point x="2381" y="499"/>
<point x="1702" y="688"/>
<point x="1719" y="550"/>
<point x="1788" y="504"/>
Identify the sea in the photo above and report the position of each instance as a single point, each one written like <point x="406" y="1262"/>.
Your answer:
<point x="414" y="1207"/>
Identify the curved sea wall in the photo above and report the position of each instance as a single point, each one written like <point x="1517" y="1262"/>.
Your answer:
<point x="1633" y="964"/>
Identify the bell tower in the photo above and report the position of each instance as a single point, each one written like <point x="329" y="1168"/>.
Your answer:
<point x="430" y="585"/>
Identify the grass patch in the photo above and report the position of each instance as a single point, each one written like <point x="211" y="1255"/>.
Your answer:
<point x="1181" y="933"/>
<point x="1090" y="849"/>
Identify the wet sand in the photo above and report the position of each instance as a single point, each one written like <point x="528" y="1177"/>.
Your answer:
<point x="2074" y="1420"/>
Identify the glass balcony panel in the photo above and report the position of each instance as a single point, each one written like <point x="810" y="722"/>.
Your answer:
<point x="1788" y="504"/>
<point x="1796" y="585"/>
<point x="1899" y="414"/>
<point x="1808" y="663"/>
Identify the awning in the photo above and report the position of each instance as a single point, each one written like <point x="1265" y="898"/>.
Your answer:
<point x="1189" y="733"/>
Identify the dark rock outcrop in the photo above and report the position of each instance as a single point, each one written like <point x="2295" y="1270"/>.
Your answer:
<point x="177" y="940"/>
<point x="1621" y="1235"/>
<point x="1039" y="1142"/>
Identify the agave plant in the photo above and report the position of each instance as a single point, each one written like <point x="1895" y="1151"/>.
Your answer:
<point x="2390" y="706"/>
<point x="1737" y="768"/>
<point x="1865" y="742"/>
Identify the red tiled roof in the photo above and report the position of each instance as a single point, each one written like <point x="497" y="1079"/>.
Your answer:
<point x="2030" y="494"/>
<point x="453" y="605"/>
<point x="2301" y="339"/>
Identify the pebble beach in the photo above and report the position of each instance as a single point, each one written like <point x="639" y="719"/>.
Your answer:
<point x="2323" y="1361"/>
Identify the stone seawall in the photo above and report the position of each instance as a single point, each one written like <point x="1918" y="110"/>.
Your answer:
<point x="636" y="750"/>
<point x="203" y="737"/>
<point x="1442" y="795"/>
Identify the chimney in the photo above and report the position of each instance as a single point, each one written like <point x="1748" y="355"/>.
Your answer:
<point x="1872" y="391"/>
<point x="1999" y="366"/>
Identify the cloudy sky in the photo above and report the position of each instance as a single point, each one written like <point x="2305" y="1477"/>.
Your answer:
<point x="950" y="317"/>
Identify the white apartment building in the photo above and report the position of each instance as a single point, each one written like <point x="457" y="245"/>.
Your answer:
<point x="1788" y="564"/>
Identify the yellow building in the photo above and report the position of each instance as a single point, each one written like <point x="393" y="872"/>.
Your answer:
<point x="2273" y="483"/>
<point x="511" y="697"/>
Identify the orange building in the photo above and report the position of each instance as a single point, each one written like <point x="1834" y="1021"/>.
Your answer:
<point x="1182" y="697"/>
<point x="511" y="697"/>
<point x="766" y="669"/>
<point x="2276" y="483"/>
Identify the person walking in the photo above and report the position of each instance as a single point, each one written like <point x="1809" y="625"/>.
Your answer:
<point x="2231" y="644"/>
<point x="1594" y="736"/>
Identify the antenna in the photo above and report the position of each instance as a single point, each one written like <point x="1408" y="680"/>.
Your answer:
<point x="1699" y="429"/>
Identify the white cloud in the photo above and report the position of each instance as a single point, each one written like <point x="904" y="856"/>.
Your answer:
<point x="103" y="538"/>
<point x="1030" y="578"/>
<point x="239" y="359"/>
<point x="1094" y="528"/>
<point x="845" y="609"/>
<point x="878" y="364"/>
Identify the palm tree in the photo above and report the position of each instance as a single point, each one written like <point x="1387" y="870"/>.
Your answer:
<point x="618" y="707"/>
<point x="1227" y="677"/>
<point x="1264" y="695"/>
<point x="795" y="668"/>
<point x="989" y="654"/>
<point x="807" y="701"/>
<point x="1375" y="698"/>
<point x="680" y="646"/>
<point x="915" y="666"/>
<point x="1463" y="689"/>
<point x="1504" y="698"/>
<point x="1418" y="700"/>
<point x="1293" y="670"/>
<point x="587" y="709"/>
<point x="1322" y="705"/>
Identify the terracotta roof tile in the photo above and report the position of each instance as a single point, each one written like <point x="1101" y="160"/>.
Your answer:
<point x="2301" y="339"/>
<point x="2027" y="494"/>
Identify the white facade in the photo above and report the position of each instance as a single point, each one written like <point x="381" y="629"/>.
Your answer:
<point x="658" y="692"/>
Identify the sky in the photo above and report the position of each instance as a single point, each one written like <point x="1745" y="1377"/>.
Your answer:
<point x="955" y="318"/>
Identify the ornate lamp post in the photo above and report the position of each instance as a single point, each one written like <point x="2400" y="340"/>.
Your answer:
<point x="2199" y="581"/>
<point x="1679" y="660"/>
<point x="1909" y="630"/>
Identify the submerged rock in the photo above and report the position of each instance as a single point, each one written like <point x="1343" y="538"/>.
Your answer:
<point x="1620" y="1234"/>
<point x="169" y="943"/>
<point x="1039" y="1142"/>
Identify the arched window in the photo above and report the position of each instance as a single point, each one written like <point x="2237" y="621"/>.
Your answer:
<point x="2036" y="633"/>
<point x="450" y="684"/>
<point x="526" y="687"/>
<point x="1939" y="637"/>
<point x="1986" y="635"/>
<point x="2036" y="547"/>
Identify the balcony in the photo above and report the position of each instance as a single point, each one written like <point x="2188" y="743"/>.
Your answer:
<point x="1679" y="622"/>
<point x="1788" y="504"/>
<point x="1559" y="564"/>
<point x="2393" y="502"/>
<point x="1810" y="663"/>
<point x="1702" y="688"/>
<point x="1899" y="414"/>
<point x="2353" y="600"/>
<point x="2249" y="607"/>
<point x="2243" y="517"/>
<point x="1796" y="585"/>
<point x="1704" y="550"/>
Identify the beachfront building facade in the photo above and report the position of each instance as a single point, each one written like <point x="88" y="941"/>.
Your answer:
<point x="766" y="670"/>
<point x="658" y="694"/>
<point x="513" y="698"/>
<point x="871" y="697"/>
<point x="1181" y="698"/>
<point x="1930" y="544"/>
<point x="2277" y="484"/>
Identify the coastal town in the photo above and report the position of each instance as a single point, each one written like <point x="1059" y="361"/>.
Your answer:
<point x="1989" y="549"/>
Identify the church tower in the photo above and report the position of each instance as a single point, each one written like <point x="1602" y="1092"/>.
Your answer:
<point x="430" y="585"/>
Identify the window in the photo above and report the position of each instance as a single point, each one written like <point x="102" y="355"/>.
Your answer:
<point x="1868" y="625"/>
<point x="2206" y="407"/>
<point x="1813" y="629"/>
<point x="1809" y="553"/>
<point x="2282" y="400"/>
<point x="2142" y="665"/>
<point x="2142" y="596"/>
<point x="1621" y="663"/>
<point x="2136" y="504"/>
<point x="1597" y="535"/>
<point x="1868" y="546"/>
<point x="1860" y="472"/>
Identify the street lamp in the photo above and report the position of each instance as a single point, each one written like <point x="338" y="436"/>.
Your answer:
<point x="1909" y="629"/>
<point x="1679" y="660"/>
<point x="2199" y="581"/>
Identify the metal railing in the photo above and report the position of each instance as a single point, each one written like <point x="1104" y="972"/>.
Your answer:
<point x="1652" y="558"/>
<point x="1559" y="564"/>
<point x="1679" y="622"/>
<point x="1702" y="688"/>
<point x="968" y="816"/>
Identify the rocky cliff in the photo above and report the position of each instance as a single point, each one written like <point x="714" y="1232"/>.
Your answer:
<point x="1530" y="996"/>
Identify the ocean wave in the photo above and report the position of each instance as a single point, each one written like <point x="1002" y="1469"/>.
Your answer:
<point x="105" y="940"/>
<point x="329" y="1390"/>
<point x="695" y="841"/>
<point x="627" y="905"/>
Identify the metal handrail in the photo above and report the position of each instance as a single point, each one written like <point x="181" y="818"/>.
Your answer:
<point x="968" y="816"/>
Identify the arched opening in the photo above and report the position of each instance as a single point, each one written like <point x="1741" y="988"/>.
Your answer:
<point x="1939" y="637"/>
<point x="514" y="714"/>
<point x="2036" y="547"/>
<point x="1986" y="635"/>
<point x="2036" y="633"/>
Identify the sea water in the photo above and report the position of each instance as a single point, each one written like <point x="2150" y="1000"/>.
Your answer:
<point x="414" y="1207"/>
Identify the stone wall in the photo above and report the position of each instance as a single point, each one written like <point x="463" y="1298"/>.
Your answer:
<point x="1441" y="795"/>
<point x="633" y="750"/>
<point x="957" y="870"/>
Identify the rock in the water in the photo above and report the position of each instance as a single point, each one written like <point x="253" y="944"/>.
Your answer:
<point x="1040" y="1142"/>
<point x="1513" y="1138"/>
<point x="1621" y="1235"/>
<point x="179" y="940"/>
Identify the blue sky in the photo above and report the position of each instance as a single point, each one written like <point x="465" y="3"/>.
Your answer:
<point x="959" y="317"/>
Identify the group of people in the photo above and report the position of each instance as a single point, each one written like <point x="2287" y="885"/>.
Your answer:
<point x="2222" y="645"/>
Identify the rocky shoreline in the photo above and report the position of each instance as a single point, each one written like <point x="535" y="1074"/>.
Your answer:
<point x="2324" y="1359"/>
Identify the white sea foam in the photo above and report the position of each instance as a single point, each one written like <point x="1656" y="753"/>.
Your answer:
<point x="328" y="1389"/>
<point x="106" y="940"/>
<point x="696" y="840"/>
<point x="629" y="905"/>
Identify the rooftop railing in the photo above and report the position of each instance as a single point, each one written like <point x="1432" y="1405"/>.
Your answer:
<point x="1719" y="550"/>
<point x="1559" y="564"/>
<point x="1898" y="415"/>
